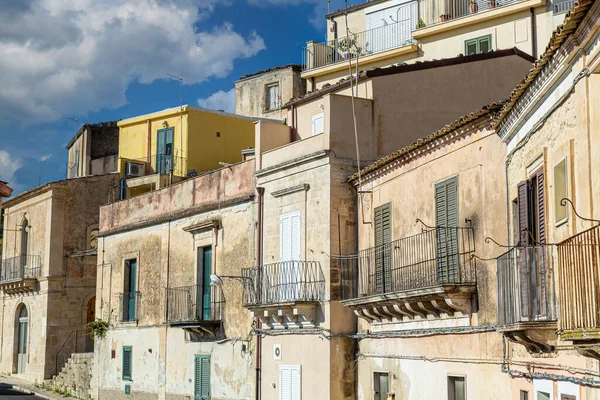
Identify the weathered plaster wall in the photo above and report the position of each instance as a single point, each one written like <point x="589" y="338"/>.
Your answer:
<point x="251" y="93"/>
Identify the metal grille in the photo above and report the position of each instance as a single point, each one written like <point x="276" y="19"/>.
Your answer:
<point x="191" y="303"/>
<point x="562" y="6"/>
<point x="364" y="43"/>
<point x="432" y="12"/>
<point x="288" y="281"/>
<point x="578" y="282"/>
<point x="526" y="285"/>
<point x="21" y="267"/>
<point x="414" y="262"/>
<point x="129" y="306"/>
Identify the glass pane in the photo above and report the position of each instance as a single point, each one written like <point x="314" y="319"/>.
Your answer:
<point x="543" y="396"/>
<point x="560" y="190"/>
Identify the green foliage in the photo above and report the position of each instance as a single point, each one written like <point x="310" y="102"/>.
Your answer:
<point x="420" y="23"/>
<point x="98" y="328"/>
<point x="347" y="44"/>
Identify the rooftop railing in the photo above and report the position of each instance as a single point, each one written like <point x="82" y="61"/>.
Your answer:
<point x="189" y="304"/>
<point x="394" y="34"/>
<point x="525" y="280"/>
<point x="432" y="12"/>
<point x="433" y="258"/>
<point x="21" y="267"/>
<point x="283" y="282"/>
<point x="562" y="6"/>
<point x="578" y="281"/>
<point x="155" y="164"/>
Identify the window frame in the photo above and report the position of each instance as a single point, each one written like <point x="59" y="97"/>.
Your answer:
<point x="477" y="41"/>
<point x="312" y="125"/>
<point x="566" y="191"/>
<point x="454" y="376"/>
<point x="268" y="97"/>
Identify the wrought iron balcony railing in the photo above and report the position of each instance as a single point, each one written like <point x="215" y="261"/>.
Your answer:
<point x="432" y="12"/>
<point x="578" y="282"/>
<point x="129" y="304"/>
<point x="396" y="33"/>
<point x="433" y="258"/>
<point x="21" y="267"/>
<point x="190" y="304"/>
<point x="526" y="285"/>
<point x="283" y="282"/>
<point x="158" y="164"/>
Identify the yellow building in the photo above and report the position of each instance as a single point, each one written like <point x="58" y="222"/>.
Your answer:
<point x="167" y="146"/>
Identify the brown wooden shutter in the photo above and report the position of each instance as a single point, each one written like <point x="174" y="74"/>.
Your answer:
<point x="541" y="205"/>
<point x="523" y="207"/>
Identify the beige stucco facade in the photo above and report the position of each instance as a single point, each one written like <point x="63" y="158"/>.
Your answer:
<point x="93" y="150"/>
<point x="526" y="25"/>
<point x="163" y="231"/>
<point x="52" y="275"/>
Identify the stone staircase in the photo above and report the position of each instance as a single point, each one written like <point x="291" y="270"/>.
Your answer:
<point x="76" y="376"/>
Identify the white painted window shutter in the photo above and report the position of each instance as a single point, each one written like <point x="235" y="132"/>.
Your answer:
<point x="290" y="237"/>
<point x="317" y="124"/>
<point x="289" y="382"/>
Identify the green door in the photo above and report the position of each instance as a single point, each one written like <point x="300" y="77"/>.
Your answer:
<point x="203" y="294"/>
<point x="202" y="377"/>
<point x="164" y="151"/>
<point x="130" y="289"/>
<point x="446" y="209"/>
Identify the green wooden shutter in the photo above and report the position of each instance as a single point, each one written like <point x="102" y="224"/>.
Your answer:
<point x="470" y="47"/>
<point x="126" y="363"/>
<point x="383" y="238"/>
<point x="202" y="377"/>
<point x="446" y="211"/>
<point x="485" y="44"/>
<point x="478" y="45"/>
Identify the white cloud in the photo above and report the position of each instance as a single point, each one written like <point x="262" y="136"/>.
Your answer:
<point x="219" y="101"/>
<point x="80" y="55"/>
<point x="8" y="166"/>
<point x="46" y="157"/>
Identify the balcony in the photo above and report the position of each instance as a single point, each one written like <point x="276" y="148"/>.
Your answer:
<point x="431" y="275"/>
<point x="526" y="305"/>
<point x="196" y="309"/>
<point x="152" y="172"/>
<point x="284" y="294"/>
<point x="365" y="44"/>
<point x="20" y="274"/>
<point x="579" y="286"/>
<point x="129" y="304"/>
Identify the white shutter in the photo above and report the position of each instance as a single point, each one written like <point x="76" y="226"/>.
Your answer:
<point x="317" y="124"/>
<point x="285" y="233"/>
<point x="289" y="382"/>
<point x="290" y="237"/>
<point x="295" y="382"/>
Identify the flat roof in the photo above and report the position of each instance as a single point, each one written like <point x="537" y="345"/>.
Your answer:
<point x="353" y="8"/>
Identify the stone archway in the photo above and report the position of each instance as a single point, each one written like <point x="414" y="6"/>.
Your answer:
<point x="21" y="337"/>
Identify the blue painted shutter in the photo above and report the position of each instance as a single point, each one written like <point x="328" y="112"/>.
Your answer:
<point x="127" y="363"/>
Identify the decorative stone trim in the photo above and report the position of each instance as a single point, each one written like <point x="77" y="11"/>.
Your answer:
<point x="293" y="189"/>
<point x="202" y="226"/>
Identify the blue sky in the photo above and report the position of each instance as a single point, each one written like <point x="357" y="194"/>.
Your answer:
<point x="101" y="60"/>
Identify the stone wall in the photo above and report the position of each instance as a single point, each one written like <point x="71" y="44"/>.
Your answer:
<point x="76" y="376"/>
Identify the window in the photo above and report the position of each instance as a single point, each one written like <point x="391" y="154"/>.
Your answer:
<point x="380" y="385"/>
<point x="446" y="221"/>
<point x="126" y="363"/>
<point x="289" y="256"/>
<point x="202" y="377"/>
<point x="456" y="388"/>
<point x="523" y="395"/>
<point x="560" y="191"/>
<point x="478" y="45"/>
<point x="289" y="382"/>
<point x="317" y="124"/>
<point x="273" y="96"/>
<point x="383" y="256"/>
<point x="532" y="214"/>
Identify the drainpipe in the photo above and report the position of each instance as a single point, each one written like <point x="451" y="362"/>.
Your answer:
<point x="293" y="110"/>
<point x="259" y="260"/>
<point x="533" y="33"/>
<point x="148" y="150"/>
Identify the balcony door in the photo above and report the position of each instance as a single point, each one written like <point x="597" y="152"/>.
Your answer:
<point x="164" y="150"/>
<point x="532" y="235"/>
<point x="287" y="288"/>
<point x="23" y="327"/>
<point x="383" y="249"/>
<point x="129" y="290"/>
<point x="203" y="292"/>
<point x="24" y="248"/>
<point x="446" y="212"/>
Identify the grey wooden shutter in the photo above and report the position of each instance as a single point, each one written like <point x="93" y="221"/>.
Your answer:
<point x="202" y="377"/>
<point x="126" y="363"/>
<point x="541" y="207"/>
<point x="383" y="237"/>
<point x="523" y="207"/>
<point x="446" y="211"/>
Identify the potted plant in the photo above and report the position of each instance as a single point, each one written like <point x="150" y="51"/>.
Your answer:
<point x="346" y="44"/>
<point x="444" y="17"/>
<point x="420" y="24"/>
<point x="491" y="3"/>
<point x="473" y="7"/>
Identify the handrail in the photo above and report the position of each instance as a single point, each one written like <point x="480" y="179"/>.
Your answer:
<point x="187" y="304"/>
<point x="63" y="345"/>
